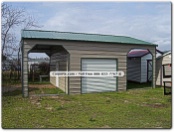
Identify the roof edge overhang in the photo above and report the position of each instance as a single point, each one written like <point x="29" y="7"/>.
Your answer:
<point x="140" y="56"/>
<point x="23" y="35"/>
<point x="90" y="41"/>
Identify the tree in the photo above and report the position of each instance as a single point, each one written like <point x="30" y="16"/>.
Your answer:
<point x="12" y="18"/>
<point x="44" y="68"/>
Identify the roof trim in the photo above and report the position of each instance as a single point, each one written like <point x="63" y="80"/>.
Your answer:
<point x="159" y="51"/>
<point x="165" y="54"/>
<point x="140" y="56"/>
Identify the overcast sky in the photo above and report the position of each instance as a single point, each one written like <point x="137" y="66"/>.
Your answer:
<point x="148" y="21"/>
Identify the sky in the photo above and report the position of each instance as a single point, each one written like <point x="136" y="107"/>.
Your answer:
<point x="148" y="21"/>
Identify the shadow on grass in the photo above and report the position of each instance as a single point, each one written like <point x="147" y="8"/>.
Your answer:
<point x="46" y="91"/>
<point x="134" y="85"/>
<point x="35" y="90"/>
<point x="17" y="92"/>
<point x="39" y="83"/>
<point x="12" y="93"/>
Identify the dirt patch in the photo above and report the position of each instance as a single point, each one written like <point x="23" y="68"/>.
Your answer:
<point x="61" y="99"/>
<point x="126" y="101"/>
<point x="41" y="86"/>
<point x="156" y="105"/>
<point x="49" y="108"/>
<point x="105" y="126"/>
<point x="35" y="100"/>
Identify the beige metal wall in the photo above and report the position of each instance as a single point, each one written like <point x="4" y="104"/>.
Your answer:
<point x="99" y="50"/>
<point x="61" y="59"/>
<point x="53" y="80"/>
<point x="78" y="50"/>
<point x="159" y="69"/>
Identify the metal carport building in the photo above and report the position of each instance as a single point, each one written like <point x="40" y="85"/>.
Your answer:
<point x="80" y="51"/>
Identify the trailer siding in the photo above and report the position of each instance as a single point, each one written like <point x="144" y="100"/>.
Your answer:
<point x="159" y="69"/>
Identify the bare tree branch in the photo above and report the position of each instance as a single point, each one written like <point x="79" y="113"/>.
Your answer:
<point x="10" y="19"/>
<point x="31" y="23"/>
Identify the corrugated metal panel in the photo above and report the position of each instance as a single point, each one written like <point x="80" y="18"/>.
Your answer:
<point x="53" y="80"/>
<point x="137" y="68"/>
<point x="144" y="67"/>
<point x="149" y="72"/>
<point x="134" y="69"/>
<point x="98" y="84"/>
<point x="58" y="63"/>
<point x="37" y="34"/>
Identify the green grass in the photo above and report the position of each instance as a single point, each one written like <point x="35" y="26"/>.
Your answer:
<point x="141" y="108"/>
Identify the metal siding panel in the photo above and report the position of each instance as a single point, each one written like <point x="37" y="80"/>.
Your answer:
<point x="62" y="59"/>
<point x="62" y="83"/>
<point x="98" y="84"/>
<point x="53" y="80"/>
<point x="134" y="69"/>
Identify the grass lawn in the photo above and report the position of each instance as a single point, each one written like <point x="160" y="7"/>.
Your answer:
<point x="140" y="108"/>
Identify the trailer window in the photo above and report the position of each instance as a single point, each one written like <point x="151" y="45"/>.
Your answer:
<point x="167" y="70"/>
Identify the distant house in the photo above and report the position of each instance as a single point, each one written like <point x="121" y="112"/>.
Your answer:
<point x="139" y="64"/>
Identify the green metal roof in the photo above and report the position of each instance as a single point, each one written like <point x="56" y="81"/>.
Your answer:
<point x="40" y="34"/>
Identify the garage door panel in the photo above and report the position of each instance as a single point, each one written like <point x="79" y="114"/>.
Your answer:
<point x="98" y="80"/>
<point x="98" y="84"/>
<point x="98" y="69"/>
<point x="98" y="88"/>
<point x="98" y="64"/>
<point x="91" y="90"/>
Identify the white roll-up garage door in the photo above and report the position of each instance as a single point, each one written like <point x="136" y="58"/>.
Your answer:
<point x="98" y="84"/>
